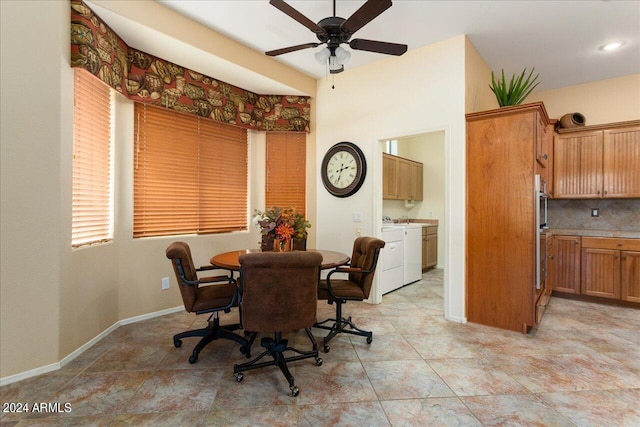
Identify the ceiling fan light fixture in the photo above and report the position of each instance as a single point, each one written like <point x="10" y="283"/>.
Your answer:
<point x="342" y="55"/>
<point x="334" y="65"/>
<point x="322" y="56"/>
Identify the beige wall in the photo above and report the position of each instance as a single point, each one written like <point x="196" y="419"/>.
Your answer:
<point x="54" y="299"/>
<point x="35" y="118"/>
<point x="603" y="101"/>
<point x="478" y="95"/>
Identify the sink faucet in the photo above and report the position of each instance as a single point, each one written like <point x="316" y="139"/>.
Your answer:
<point x="405" y="218"/>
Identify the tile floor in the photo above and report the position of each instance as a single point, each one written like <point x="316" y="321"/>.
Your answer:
<point x="580" y="368"/>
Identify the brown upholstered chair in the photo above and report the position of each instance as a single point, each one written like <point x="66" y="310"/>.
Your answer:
<point x="204" y="295"/>
<point x="279" y="294"/>
<point x="356" y="287"/>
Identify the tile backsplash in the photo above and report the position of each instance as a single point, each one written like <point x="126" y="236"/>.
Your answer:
<point x="615" y="214"/>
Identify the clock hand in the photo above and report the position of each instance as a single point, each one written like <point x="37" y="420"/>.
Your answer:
<point x="342" y="167"/>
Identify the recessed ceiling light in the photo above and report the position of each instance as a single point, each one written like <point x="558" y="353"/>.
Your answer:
<point x="611" y="46"/>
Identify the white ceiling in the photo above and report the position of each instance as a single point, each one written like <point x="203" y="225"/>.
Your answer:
<point x="560" y="38"/>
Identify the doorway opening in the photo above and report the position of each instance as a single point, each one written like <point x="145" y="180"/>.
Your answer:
<point x="429" y="150"/>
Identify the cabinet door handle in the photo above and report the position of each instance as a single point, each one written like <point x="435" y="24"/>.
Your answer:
<point x="545" y="156"/>
<point x="624" y="258"/>
<point x="598" y="192"/>
<point x="615" y="257"/>
<point x="606" y="192"/>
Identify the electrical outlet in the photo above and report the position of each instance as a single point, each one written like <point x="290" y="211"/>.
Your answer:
<point x="595" y="212"/>
<point x="165" y="283"/>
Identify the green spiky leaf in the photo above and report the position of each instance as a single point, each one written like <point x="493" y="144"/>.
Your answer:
<point x="516" y="91"/>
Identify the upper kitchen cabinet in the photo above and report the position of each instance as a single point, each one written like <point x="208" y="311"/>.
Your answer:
<point x="504" y="285"/>
<point x="596" y="162"/>
<point x="621" y="166"/>
<point x="389" y="177"/>
<point x="401" y="178"/>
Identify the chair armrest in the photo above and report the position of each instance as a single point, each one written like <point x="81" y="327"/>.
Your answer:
<point x="347" y="270"/>
<point x="216" y="279"/>
<point x="343" y="269"/>
<point x="206" y="267"/>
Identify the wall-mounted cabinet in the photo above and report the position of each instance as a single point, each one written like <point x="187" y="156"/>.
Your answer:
<point x="401" y="178"/>
<point x="597" y="162"/>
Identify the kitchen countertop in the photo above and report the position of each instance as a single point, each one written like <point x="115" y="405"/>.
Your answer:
<point x="421" y="222"/>
<point x="596" y="233"/>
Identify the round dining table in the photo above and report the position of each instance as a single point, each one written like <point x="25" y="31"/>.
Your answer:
<point x="231" y="260"/>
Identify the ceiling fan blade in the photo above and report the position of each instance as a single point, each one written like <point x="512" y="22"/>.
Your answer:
<point x="293" y="13"/>
<point x="291" y="49"/>
<point x="378" y="47"/>
<point x="365" y="14"/>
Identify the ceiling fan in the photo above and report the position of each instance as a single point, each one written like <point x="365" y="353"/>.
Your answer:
<point x="334" y="31"/>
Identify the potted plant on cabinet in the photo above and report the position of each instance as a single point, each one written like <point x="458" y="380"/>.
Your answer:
<point x="517" y="89"/>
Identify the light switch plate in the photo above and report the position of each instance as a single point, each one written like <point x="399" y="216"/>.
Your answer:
<point x="165" y="283"/>
<point x="357" y="217"/>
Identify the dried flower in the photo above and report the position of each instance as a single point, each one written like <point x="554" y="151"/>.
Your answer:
<point x="271" y="220"/>
<point x="285" y="231"/>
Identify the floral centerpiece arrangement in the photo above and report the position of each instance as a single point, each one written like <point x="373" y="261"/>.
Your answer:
<point x="282" y="229"/>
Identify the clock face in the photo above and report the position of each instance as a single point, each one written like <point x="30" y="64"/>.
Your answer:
<point x="343" y="169"/>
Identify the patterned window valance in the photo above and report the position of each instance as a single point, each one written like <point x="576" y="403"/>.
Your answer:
<point x="145" y="78"/>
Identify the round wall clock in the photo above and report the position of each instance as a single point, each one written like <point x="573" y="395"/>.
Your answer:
<point x="343" y="169"/>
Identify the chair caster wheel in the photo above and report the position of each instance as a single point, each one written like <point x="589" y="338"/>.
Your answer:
<point x="239" y="377"/>
<point x="193" y="359"/>
<point x="369" y="339"/>
<point x="326" y="348"/>
<point x="294" y="391"/>
<point x="177" y="343"/>
<point x="319" y="361"/>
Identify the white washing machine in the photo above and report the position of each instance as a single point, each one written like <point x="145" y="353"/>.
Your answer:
<point x="391" y="259"/>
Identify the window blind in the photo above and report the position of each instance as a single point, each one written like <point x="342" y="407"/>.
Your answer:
<point x="286" y="155"/>
<point x="190" y="174"/>
<point x="92" y="175"/>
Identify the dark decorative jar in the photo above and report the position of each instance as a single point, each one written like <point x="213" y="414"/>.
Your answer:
<point x="572" y="120"/>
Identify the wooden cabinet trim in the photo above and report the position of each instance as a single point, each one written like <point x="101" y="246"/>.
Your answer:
<point x="611" y="243"/>
<point x="599" y="127"/>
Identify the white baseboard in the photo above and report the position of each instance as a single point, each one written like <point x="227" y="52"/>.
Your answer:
<point x="55" y="366"/>
<point x="456" y="319"/>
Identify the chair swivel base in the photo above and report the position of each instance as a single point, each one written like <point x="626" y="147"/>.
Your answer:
<point x="213" y="332"/>
<point x="275" y="347"/>
<point x="339" y="327"/>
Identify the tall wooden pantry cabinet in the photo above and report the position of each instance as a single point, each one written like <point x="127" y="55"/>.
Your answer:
<point x="506" y="148"/>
